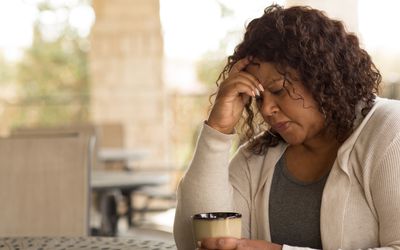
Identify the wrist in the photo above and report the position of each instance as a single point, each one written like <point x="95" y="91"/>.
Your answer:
<point x="226" y="130"/>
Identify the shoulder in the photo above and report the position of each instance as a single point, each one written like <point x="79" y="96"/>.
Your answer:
<point x="375" y="140"/>
<point x="388" y="108"/>
<point x="379" y="128"/>
<point x="384" y="117"/>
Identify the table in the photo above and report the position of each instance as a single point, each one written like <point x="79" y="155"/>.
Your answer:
<point x="82" y="243"/>
<point x="105" y="180"/>
<point x="121" y="154"/>
<point x="108" y="184"/>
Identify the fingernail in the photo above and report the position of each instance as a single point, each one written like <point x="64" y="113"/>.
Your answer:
<point x="257" y="92"/>
<point x="253" y="93"/>
<point x="199" y="244"/>
<point x="261" y="87"/>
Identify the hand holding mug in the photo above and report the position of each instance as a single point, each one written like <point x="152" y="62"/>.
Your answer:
<point x="216" y="224"/>
<point x="225" y="243"/>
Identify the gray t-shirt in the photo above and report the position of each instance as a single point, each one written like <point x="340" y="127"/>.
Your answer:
<point x="294" y="209"/>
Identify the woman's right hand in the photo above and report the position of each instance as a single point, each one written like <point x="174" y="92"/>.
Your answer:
<point x="233" y="94"/>
<point x="237" y="244"/>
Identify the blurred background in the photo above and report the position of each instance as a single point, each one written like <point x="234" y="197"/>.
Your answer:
<point x="139" y="72"/>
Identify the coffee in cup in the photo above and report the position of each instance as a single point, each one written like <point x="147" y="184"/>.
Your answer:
<point x="216" y="224"/>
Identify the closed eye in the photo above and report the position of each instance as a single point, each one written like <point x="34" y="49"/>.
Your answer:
<point x="277" y="92"/>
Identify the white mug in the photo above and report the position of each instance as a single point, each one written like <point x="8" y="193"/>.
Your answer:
<point x="216" y="224"/>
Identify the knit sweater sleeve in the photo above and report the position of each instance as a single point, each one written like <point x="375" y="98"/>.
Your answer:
<point x="207" y="185"/>
<point x="385" y="192"/>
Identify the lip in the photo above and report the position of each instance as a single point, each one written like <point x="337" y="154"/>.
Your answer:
<point x="280" y="126"/>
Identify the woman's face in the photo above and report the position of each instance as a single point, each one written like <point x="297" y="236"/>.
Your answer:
<point x="287" y="106"/>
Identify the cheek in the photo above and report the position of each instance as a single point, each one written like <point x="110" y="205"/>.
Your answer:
<point x="308" y="113"/>
<point x="308" y="118"/>
<point x="316" y="123"/>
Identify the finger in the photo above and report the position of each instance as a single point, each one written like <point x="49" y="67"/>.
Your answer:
<point x="241" y="87"/>
<point x="241" y="84"/>
<point x="256" y="83"/>
<point x="235" y="89"/>
<point x="246" y="244"/>
<point x="219" y="243"/>
<point x="239" y="66"/>
<point x="247" y="78"/>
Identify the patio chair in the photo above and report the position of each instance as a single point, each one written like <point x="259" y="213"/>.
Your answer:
<point x="44" y="184"/>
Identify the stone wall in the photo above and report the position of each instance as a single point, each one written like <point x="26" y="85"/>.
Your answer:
<point x="126" y="73"/>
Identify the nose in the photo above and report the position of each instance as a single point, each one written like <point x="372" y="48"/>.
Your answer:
<point x="269" y="106"/>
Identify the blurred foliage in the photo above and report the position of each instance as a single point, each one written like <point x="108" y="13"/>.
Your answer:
<point x="6" y="71"/>
<point x="53" y="79"/>
<point x="211" y="64"/>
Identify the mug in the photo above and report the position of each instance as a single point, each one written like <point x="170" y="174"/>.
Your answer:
<point x="216" y="224"/>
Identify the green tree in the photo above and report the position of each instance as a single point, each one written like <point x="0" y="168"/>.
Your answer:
<point x="6" y="71"/>
<point x="53" y="78"/>
<point x="210" y="66"/>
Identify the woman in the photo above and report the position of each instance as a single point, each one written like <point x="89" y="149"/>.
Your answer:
<point x="324" y="172"/>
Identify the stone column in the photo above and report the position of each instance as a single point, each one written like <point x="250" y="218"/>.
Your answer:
<point x="126" y="73"/>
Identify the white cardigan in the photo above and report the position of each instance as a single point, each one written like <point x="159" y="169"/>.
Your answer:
<point x="360" y="206"/>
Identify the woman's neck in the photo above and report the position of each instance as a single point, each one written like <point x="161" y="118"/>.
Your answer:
<point x="313" y="159"/>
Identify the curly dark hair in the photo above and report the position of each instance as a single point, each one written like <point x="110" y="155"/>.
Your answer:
<point x="331" y="65"/>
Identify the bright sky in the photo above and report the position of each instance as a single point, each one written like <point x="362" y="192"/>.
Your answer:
<point x="17" y="16"/>
<point x="15" y="26"/>
<point x="379" y="24"/>
<point x="190" y="27"/>
<point x="200" y="27"/>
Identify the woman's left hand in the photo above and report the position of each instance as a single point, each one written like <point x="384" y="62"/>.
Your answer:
<point x="225" y="243"/>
